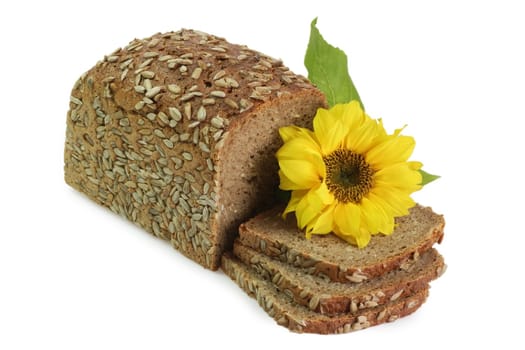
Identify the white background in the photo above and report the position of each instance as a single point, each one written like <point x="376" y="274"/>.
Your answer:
<point x="75" y="276"/>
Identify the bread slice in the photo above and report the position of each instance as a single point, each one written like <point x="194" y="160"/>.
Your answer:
<point x="330" y="298"/>
<point x="300" y="319"/>
<point x="332" y="258"/>
<point x="177" y="132"/>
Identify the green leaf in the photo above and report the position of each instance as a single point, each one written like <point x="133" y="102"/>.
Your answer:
<point x="427" y="178"/>
<point x="328" y="69"/>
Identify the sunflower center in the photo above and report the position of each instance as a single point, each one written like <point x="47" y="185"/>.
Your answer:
<point x="348" y="176"/>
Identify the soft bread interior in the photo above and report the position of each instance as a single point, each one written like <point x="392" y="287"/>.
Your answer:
<point x="248" y="178"/>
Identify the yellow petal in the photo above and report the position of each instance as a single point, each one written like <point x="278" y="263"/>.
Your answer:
<point x="399" y="175"/>
<point x="329" y="130"/>
<point x="300" y="143"/>
<point x="364" y="137"/>
<point x="380" y="202"/>
<point x="350" y="114"/>
<point x="308" y="234"/>
<point x="319" y="200"/>
<point x="287" y="184"/>
<point x="392" y="199"/>
<point x="294" y="200"/>
<point x="313" y="204"/>
<point x="308" y="208"/>
<point x="298" y="148"/>
<point x="381" y="132"/>
<point x="324" y="194"/>
<point x="348" y="218"/>
<point x="363" y="238"/>
<point x="347" y="238"/>
<point x="290" y="132"/>
<point x="375" y="218"/>
<point x="397" y="132"/>
<point x="303" y="149"/>
<point x="415" y="165"/>
<point x="302" y="174"/>
<point x="392" y="150"/>
<point x="323" y="224"/>
<point x="303" y="212"/>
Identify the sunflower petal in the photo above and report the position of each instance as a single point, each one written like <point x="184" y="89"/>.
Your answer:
<point x="375" y="218"/>
<point x="363" y="137"/>
<point x="397" y="201"/>
<point x="397" y="132"/>
<point x="288" y="133"/>
<point x="323" y="224"/>
<point x="294" y="200"/>
<point x="348" y="218"/>
<point x="329" y="130"/>
<point x="301" y="173"/>
<point x="303" y="213"/>
<point x="399" y="175"/>
<point x="350" y="114"/>
<point x="392" y="150"/>
<point x="381" y="203"/>
<point x="308" y="208"/>
<point x="323" y="202"/>
<point x="298" y="147"/>
<point x="347" y="238"/>
<point x="415" y="165"/>
<point x="324" y="194"/>
<point x="305" y="150"/>
<point x="363" y="238"/>
<point x="360" y="239"/>
<point x="286" y="184"/>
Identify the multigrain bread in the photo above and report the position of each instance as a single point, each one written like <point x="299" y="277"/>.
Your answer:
<point x="330" y="298"/>
<point x="300" y="319"/>
<point x="330" y="257"/>
<point x="177" y="132"/>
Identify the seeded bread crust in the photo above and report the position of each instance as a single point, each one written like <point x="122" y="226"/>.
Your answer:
<point x="332" y="258"/>
<point x="177" y="132"/>
<point x="331" y="298"/>
<point x="301" y="319"/>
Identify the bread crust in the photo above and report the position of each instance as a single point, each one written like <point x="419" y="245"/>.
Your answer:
<point x="332" y="298"/>
<point x="269" y="234"/>
<point x="302" y="320"/>
<point x="149" y="126"/>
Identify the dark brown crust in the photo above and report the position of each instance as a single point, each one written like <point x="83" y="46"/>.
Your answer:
<point x="369" y="294"/>
<point x="278" y="250"/>
<point x="301" y="320"/>
<point x="159" y="101"/>
<point x="393" y="311"/>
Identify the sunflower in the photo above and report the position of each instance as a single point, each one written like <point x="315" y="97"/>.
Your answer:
<point x="347" y="176"/>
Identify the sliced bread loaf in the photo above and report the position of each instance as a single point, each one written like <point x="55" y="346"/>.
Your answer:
<point x="177" y="132"/>
<point x="330" y="298"/>
<point x="300" y="319"/>
<point x="332" y="258"/>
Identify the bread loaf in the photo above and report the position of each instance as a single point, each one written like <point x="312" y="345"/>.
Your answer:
<point x="177" y="132"/>
<point x="330" y="257"/>
<point x="300" y="319"/>
<point x="331" y="298"/>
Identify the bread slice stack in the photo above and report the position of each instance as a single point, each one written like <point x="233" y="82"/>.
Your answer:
<point x="324" y="285"/>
